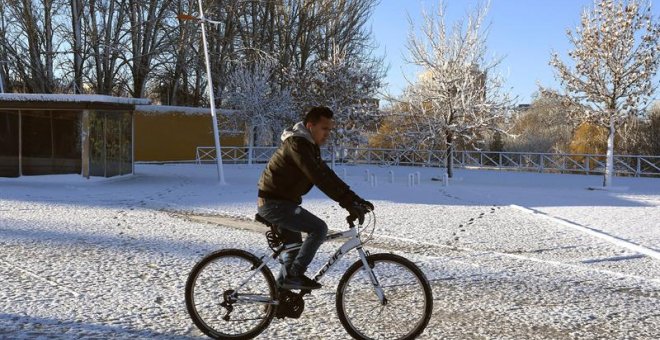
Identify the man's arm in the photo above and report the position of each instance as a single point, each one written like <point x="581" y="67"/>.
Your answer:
<point x="317" y="172"/>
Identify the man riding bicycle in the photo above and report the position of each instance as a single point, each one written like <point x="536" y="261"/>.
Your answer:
<point x="291" y="172"/>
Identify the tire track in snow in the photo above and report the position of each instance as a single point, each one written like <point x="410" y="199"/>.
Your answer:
<point x="517" y="257"/>
<point x="465" y="249"/>
<point x="41" y="278"/>
<point x="591" y="231"/>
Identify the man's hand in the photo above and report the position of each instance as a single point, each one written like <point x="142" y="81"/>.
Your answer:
<point x="368" y="205"/>
<point x="356" y="206"/>
<point x="357" y="211"/>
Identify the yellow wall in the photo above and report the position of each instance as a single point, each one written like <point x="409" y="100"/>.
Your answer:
<point x="174" y="137"/>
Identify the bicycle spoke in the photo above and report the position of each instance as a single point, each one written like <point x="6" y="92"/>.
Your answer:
<point x="407" y="309"/>
<point x="215" y="305"/>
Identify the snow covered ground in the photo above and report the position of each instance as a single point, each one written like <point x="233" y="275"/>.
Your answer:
<point x="509" y="255"/>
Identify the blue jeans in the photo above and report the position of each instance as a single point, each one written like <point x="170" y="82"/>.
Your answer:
<point x="291" y="220"/>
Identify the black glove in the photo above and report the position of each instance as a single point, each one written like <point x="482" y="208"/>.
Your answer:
<point x="357" y="211"/>
<point x="366" y="204"/>
<point x="356" y="206"/>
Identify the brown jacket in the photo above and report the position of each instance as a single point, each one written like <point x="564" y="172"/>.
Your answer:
<point x="296" y="167"/>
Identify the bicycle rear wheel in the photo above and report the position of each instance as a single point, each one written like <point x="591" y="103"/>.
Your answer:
<point x="214" y="305"/>
<point x="408" y="306"/>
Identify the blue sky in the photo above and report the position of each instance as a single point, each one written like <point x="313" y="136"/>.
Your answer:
<point x="524" y="32"/>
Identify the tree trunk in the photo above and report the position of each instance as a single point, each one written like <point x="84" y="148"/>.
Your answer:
<point x="250" y="143"/>
<point x="609" y="164"/>
<point x="449" y="160"/>
<point x="76" y="25"/>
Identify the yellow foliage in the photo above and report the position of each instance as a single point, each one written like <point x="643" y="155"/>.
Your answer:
<point x="385" y="137"/>
<point x="589" y="139"/>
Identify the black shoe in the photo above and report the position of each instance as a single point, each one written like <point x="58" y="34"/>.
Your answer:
<point x="300" y="282"/>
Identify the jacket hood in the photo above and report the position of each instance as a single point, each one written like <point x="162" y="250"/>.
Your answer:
<point x="298" y="130"/>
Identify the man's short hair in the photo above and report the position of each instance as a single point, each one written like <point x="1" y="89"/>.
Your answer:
<point x="314" y="115"/>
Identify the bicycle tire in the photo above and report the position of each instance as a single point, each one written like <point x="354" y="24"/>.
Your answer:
<point x="207" y="283"/>
<point x="355" y="294"/>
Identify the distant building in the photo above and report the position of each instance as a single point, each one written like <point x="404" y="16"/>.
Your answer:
<point x="96" y="135"/>
<point x="523" y="107"/>
<point x="57" y="134"/>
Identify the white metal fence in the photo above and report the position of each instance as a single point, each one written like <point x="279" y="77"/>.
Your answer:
<point x="627" y="165"/>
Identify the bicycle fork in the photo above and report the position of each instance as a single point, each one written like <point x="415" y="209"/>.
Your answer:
<point x="368" y="271"/>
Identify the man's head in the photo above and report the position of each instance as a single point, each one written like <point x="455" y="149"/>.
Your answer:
<point x="319" y="123"/>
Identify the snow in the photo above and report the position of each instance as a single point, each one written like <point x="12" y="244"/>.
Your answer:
<point x="185" y="110"/>
<point x="74" y="98"/>
<point x="107" y="258"/>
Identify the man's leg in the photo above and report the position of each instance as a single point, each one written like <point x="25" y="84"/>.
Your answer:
<point x="292" y="217"/>
<point x="289" y="237"/>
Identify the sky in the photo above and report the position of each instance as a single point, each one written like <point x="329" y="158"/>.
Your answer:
<point x="523" y="32"/>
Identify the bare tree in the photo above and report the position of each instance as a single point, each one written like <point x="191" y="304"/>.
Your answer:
<point x="147" y="39"/>
<point x="77" y="8"/>
<point x="458" y="94"/>
<point x="140" y="48"/>
<point x="4" y="62"/>
<point x="616" y="55"/>
<point x="105" y="31"/>
<point x="345" y="28"/>
<point x="176" y="73"/>
<point x="30" y="43"/>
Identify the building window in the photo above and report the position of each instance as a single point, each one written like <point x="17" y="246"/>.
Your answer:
<point x="111" y="144"/>
<point x="50" y="142"/>
<point x="9" y="164"/>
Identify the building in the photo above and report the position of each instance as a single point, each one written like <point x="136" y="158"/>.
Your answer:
<point x="173" y="133"/>
<point x="44" y="134"/>
<point x="96" y="135"/>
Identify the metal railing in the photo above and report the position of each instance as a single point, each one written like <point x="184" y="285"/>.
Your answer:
<point x="626" y="165"/>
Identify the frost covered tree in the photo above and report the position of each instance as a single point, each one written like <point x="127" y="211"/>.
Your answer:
<point x="347" y="86"/>
<point x="458" y="95"/>
<point x="616" y="54"/>
<point x="398" y="129"/>
<point x="264" y="106"/>
<point x="542" y="127"/>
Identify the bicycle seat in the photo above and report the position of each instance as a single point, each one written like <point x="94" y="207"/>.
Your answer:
<point x="273" y="236"/>
<point x="262" y="220"/>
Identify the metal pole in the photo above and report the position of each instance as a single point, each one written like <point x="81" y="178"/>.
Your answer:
<point x="216" y="133"/>
<point x="2" y="87"/>
<point x="20" y="143"/>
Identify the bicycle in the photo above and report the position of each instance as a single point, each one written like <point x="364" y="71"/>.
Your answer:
<point x="232" y="294"/>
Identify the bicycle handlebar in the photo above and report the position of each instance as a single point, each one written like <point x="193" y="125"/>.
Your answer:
<point x="350" y="219"/>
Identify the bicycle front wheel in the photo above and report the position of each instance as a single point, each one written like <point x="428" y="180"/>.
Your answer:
<point x="408" y="299"/>
<point x="218" y="304"/>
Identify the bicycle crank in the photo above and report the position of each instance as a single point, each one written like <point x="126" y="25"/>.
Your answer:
<point x="291" y="305"/>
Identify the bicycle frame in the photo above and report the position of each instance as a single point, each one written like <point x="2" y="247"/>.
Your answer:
<point x="353" y="242"/>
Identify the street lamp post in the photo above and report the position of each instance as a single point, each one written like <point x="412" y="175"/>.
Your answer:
<point x="216" y="134"/>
